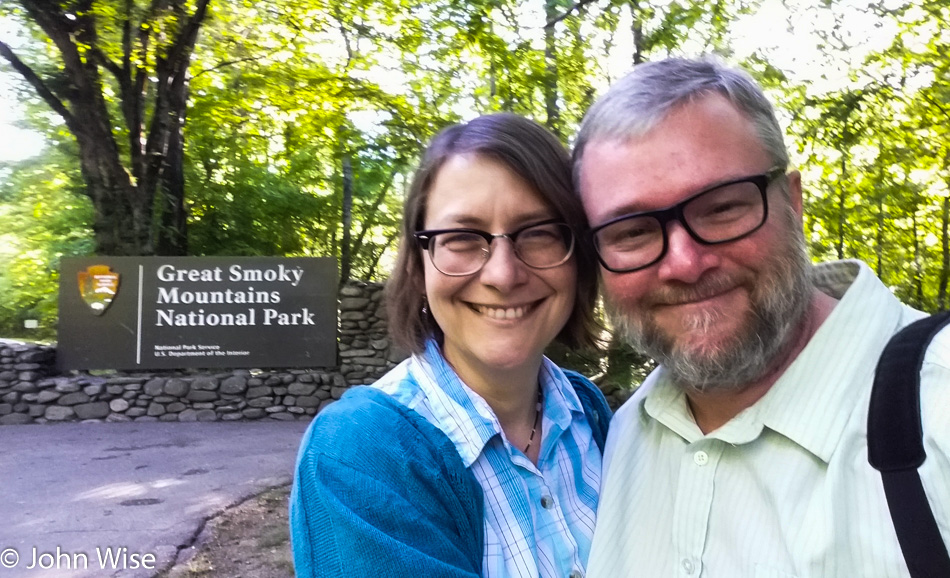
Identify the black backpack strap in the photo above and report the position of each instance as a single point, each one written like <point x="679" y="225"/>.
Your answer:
<point x="896" y="446"/>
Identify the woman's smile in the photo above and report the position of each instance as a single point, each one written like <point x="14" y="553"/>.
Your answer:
<point x="504" y="312"/>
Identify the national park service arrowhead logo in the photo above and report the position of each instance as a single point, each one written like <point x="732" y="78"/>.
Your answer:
<point x="98" y="286"/>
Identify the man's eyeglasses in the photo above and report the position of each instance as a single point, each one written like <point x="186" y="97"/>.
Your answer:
<point x="459" y="252"/>
<point x="720" y="214"/>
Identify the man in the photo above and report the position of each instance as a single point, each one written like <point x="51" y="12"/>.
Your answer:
<point x="745" y="452"/>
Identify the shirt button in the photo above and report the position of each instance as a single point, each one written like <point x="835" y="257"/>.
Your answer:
<point x="547" y="502"/>
<point x="576" y="574"/>
<point x="687" y="566"/>
<point x="701" y="458"/>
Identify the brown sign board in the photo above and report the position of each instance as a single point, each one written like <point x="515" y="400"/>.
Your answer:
<point x="177" y="312"/>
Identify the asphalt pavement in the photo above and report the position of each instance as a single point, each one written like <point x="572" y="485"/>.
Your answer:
<point x="127" y="499"/>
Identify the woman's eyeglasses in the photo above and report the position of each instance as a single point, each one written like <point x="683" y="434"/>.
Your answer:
<point x="459" y="252"/>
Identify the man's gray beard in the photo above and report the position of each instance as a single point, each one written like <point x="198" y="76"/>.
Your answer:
<point x="778" y="305"/>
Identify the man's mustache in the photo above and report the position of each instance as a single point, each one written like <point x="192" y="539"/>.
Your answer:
<point x="710" y="285"/>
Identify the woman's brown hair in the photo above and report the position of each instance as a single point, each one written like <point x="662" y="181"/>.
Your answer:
<point x="534" y="154"/>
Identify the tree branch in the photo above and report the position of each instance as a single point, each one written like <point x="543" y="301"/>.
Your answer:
<point x="567" y="13"/>
<point x="357" y="244"/>
<point x="346" y="38"/>
<point x="27" y="73"/>
<point x="143" y="39"/>
<point x="251" y="58"/>
<point x="170" y="97"/>
<point x="117" y="71"/>
<point x="230" y="62"/>
<point x="937" y="104"/>
<point x="186" y="40"/>
<point x="59" y="29"/>
<point x="127" y="39"/>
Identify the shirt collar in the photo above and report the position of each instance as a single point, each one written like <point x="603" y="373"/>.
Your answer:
<point x="467" y="419"/>
<point x="813" y="400"/>
<point x="561" y="404"/>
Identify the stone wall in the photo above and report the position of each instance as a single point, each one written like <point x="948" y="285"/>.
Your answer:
<point x="364" y="347"/>
<point x="33" y="391"/>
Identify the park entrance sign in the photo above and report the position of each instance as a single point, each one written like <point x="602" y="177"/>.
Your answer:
<point x="176" y="312"/>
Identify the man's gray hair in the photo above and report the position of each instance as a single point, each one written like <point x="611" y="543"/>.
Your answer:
<point x="648" y="94"/>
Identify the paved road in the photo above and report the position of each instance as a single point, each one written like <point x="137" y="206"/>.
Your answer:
<point x="109" y="499"/>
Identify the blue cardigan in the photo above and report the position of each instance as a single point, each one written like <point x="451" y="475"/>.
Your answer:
<point x="379" y="491"/>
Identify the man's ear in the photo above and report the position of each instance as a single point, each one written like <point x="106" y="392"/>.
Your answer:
<point x="795" y="191"/>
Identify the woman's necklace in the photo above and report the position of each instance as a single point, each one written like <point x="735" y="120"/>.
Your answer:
<point x="537" y="418"/>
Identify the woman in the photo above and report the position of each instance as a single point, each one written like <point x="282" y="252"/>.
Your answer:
<point x="476" y="456"/>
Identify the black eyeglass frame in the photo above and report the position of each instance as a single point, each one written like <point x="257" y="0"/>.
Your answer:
<point x="675" y="213"/>
<point x="423" y="237"/>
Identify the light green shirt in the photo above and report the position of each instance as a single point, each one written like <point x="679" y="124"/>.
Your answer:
<point x="784" y="489"/>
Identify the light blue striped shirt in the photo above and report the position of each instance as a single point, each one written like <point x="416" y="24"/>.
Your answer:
<point x="539" y="520"/>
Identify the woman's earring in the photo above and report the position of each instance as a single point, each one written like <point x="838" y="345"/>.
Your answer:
<point x="425" y="305"/>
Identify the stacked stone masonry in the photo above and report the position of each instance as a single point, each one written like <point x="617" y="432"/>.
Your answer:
<point x="33" y="391"/>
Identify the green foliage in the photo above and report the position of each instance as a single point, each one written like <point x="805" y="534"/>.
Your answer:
<point x="877" y="159"/>
<point x="620" y="366"/>
<point x="282" y="92"/>
<point x="42" y="217"/>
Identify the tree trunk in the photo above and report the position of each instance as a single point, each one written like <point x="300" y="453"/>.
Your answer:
<point x="117" y="227"/>
<point x="492" y="68"/>
<point x="918" y="270"/>
<point x="879" y="235"/>
<point x="370" y="212"/>
<point x="636" y="28"/>
<point x="879" y="242"/>
<point x="551" y="73"/>
<point x="346" y="220"/>
<point x="123" y="195"/>
<point x="839" y="243"/>
<point x="371" y="271"/>
<point x="945" y="254"/>
<point x="172" y="234"/>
